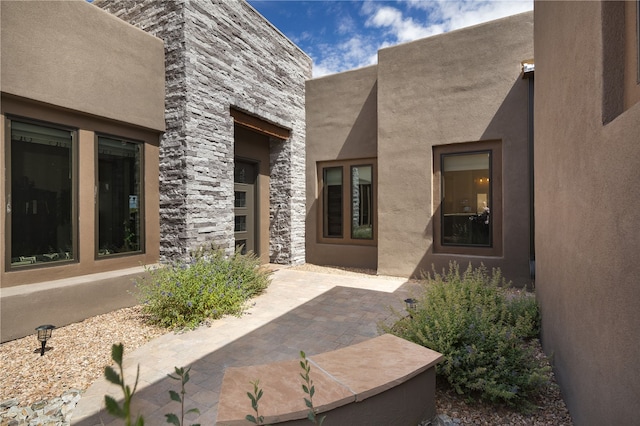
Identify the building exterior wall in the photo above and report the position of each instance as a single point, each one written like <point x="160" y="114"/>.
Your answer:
<point x="455" y="90"/>
<point x="461" y="87"/>
<point x="84" y="69"/>
<point x="60" y="72"/>
<point x="586" y="174"/>
<point x="341" y="125"/>
<point x="223" y="55"/>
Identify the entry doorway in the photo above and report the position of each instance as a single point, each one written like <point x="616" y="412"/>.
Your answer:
<point x="244" y="186"/>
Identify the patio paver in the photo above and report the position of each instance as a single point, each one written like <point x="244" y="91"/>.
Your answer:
<point x="301" y="310"/>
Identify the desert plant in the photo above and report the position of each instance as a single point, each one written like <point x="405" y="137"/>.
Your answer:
<point x="183" y="376"/>
<point x="255" y="398"/>
<point x="210" y="284"/>
<point x="309" y="389"/>
<point x="482" y="329"/>
<point x="113" y="407"/>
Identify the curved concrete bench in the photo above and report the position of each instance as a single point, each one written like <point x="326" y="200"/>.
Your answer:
<point x="382" y="381"/>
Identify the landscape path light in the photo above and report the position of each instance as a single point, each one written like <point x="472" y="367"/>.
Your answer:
<point x="44" y="333"/>
<point x="411" y="305"/>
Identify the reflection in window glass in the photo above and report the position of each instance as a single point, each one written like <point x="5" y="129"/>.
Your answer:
<point x="362" y="202"/>
<point x="466" y="198"/>
<point x="332" y="202"/>
<point x="119" y="199"/>
<point x="41" y="194"/>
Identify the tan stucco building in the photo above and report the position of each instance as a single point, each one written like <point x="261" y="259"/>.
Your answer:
<point x="423" y="158"/>
<point x="587" y="172"/>
<point x="82" y="104"/>
<point x="129" y="140"/>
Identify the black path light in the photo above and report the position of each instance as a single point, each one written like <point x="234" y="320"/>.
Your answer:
<point x="411" y="303"/>
<point x="44" y="333"/>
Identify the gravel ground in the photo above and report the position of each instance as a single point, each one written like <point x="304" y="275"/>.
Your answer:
<point x="79" y="352"/>
<point x="74" y="358"/>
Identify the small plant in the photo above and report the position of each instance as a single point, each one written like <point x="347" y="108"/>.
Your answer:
<point x="209" y="285"/>
<point x="482" y="329"/>
<point x="255" y="398"/>
<point x="309" y="389"/>
<point x="115" y="409"/>
<point x="183" y="376"/>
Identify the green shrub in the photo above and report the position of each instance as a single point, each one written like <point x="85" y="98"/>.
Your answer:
<point x="209" y="285"/>
<point x="482" y="329"/>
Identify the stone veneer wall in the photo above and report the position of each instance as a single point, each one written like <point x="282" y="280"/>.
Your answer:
<point x="221" y="54"/>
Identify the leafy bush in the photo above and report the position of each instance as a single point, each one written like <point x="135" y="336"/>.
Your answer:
<point x="481" y="328"/>
<point x="209" y="285"/>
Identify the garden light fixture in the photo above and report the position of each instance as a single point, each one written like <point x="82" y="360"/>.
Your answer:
<point x="411" y="304"/>
<point x="44" y="333"/>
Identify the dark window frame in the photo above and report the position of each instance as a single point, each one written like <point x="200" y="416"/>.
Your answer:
<point x="75" y="258"/>
<point x="347" y="202"/>
<point x="141" y="198"/>
<point x="495" y="202"/>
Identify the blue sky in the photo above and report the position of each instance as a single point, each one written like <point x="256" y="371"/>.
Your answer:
<point x="345" y="34"/>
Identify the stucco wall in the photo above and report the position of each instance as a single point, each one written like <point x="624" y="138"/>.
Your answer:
<point x="463" y="86"/>
<point x="341" y="125"/>
<point x="220" y="55"/>
<point x="587" y="269"/>
<point x="76" y="56"/>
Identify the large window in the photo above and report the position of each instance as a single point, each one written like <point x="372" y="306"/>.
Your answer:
<point x="119" y="196"/>
<point x="40" y="196"/>
<point x="348" y="202"/>
<point x="468" y="198"/>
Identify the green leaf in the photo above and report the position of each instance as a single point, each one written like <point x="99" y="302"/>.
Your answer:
<point x="139" y="421"/>
<point x="112" y="407"/>
<point x="308" y="403"/>
<point x="312" y="391"/>
<point x="311" y="416"/>
<point x="116" y="353"/>
<point x="172" y="419"/>
<point x="193" y="410"/>
<point x="303" y="355"/>
<point x="175" y="396"/>
<point x="305" y="389"/>
<point x="173" y="377"/>
<point x="252" y="419"/>
<point x="111" y="375"/>
<point x="259" y="395"/>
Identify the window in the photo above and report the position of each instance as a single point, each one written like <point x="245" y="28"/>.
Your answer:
<point x="347" y="202"/>
<point x="119" y="196"/>
<point x="362" y="202"/>
<point x="40" y="194"/>
<point x="333" y="202"/>
<point x="468" y="201"/>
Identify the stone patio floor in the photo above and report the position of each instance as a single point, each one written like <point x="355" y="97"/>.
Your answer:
<point x="301" y="310"/>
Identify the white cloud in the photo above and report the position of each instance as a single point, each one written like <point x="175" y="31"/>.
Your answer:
<point x="403" y="29"/>
<point x="451" y="15"/>
<point x="405" y="21"/>
<point x="354" y="52"/>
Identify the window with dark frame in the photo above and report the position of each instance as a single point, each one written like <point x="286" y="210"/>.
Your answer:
<point x="332" y="202"/>
<point x="119" y="212"/>
<point x="362" y="202"/>
<point x="466" y="199"/>
<point x="347" y="202"/>
<point x="41" y="187"/>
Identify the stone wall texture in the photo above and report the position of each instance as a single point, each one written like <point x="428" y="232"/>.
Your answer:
<point x="223" y="54"/>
